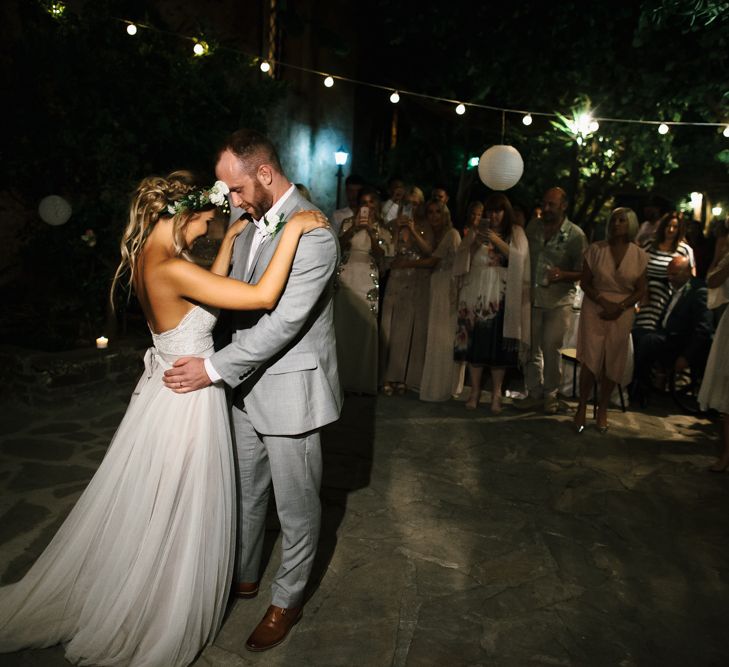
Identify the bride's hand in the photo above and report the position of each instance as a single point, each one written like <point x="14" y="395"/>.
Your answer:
<point x="237" y="227"/>
<point x="307" y="221"/>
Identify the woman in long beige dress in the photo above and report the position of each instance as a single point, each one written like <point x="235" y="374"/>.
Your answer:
<point x="404" y="325"/>
<point x="440" y="372"/>
<point x="613" y="280"/>
<point x="365" y="241"/>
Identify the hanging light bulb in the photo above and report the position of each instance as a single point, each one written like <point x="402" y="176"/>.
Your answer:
<point x="265" y="66"/>
<point x="594" y="126"/>
<point x="201" y="48"/>
<point x="395" y="97"/>
<point x="461" y="109"/>
<point x="663" y="128"/>
<point x="726" y="131"/>
<point x="527" y="119"/>
<point x="329" y="81"/>
<point x="131" y="29"/>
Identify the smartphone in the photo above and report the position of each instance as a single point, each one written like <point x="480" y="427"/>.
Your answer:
<point x="407" y="210"/>
<point x="364" y="214"/>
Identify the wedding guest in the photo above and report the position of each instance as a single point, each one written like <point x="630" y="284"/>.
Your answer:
<point x="364" y="242"/>
<point x="352" y="186"/>
<point x="667" y="244"/>
<point x="703" y="247"/>
<point x="493" y="321"/>
<point x="613" y="280"/>
<point x="474" y="213"/>
<point x="405" y="306"/>
<point x="653" y="211"/>
<point x="714" y="392"/>
<point x="683" y="334"/>
<point x="439" y="194"/>
<point x="440" y="373"/>
<point x="391" y="208"/>
<point x="520" y="215"/>
<point x="718" y="297"/>
<point x="556" y="249"/>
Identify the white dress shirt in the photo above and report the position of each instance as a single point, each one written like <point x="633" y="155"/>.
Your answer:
<point x="258" y="237"/>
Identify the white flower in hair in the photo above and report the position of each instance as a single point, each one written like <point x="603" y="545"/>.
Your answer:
<point x="218" y="192"/>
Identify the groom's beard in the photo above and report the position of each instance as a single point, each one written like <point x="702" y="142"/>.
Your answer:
<point x="262" y="201"/>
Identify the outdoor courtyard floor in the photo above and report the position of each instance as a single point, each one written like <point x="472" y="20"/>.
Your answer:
<point x="450" y="537"/>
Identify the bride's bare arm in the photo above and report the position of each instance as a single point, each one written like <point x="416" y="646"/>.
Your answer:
<point x="221" y="265"/>
<point x="195" y="283"/>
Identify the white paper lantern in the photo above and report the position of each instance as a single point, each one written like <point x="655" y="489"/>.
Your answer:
<point x="501" y="167"/>
<point x="54" y="210"/>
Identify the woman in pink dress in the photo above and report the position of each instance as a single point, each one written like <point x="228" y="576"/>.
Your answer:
<point x="614" y="280"/>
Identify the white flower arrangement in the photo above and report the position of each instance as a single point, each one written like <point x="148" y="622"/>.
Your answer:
<point x="272" y="225"/>
<point x="198" y="199"/>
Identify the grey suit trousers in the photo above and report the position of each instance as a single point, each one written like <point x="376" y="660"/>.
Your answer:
<point x="294" y="465"/>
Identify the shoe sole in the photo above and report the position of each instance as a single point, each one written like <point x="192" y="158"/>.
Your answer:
<point x="255" y="649"/>
<point x="245" y="596"/>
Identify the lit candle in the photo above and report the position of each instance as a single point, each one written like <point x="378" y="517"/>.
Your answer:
<point x="102" y="343"/>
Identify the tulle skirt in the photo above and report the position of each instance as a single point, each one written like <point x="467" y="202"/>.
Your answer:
<point x="139" y="572"/>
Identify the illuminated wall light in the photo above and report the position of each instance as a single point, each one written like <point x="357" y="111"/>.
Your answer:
<point x="527" y="119"/>
<point x="726" y="131"/>
<point x="131" y="29"/>
<point x="663" y="128"/>
<point x="461" y="109"/>
<point x="716" y="211"/>
<point x="395" y="97"/>
<point x="329" y="81"/>
<point x="265" y="66"/>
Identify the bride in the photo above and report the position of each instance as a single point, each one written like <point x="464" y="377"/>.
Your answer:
<point x="139" y="572"/>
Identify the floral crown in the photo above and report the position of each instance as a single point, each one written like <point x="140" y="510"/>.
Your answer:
<point x="199" y="198"/>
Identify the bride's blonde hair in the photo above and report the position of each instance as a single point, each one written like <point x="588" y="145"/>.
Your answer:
<point x="150" y="201"/>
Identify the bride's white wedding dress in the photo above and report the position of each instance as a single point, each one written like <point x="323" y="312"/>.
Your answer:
<point x="139" y="573"/>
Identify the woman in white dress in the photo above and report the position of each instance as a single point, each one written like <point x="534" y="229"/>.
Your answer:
<point x="714" y="392"/>
<point x="441" y="374"/>
<point x="493" y="304"/>
<point x="139" y="572"/>
<point x="365" y="242"/>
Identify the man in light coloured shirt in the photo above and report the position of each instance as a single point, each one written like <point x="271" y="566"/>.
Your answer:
<point x="352" y="185"/>
<point x="556" y="249"/>
<point x="392" y="206"/>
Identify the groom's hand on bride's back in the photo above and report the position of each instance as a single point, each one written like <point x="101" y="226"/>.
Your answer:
<point x="187" y="374"/>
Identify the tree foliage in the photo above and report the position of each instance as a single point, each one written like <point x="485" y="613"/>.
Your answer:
<point x="651" y="60"/>
<point x="95" y="110"/>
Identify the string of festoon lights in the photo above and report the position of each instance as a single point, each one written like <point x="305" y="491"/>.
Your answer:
<point x="583" y="125"/>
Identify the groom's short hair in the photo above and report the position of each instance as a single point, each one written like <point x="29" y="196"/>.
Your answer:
<point x="252" y="150"/>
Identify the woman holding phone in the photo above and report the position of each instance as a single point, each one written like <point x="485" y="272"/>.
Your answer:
<point x="365" y="242"/>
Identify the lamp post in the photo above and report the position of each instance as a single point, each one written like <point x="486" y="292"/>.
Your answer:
<point x="340" y="158"/>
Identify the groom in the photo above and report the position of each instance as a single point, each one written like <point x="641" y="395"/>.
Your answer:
<point x="284" y="366"/>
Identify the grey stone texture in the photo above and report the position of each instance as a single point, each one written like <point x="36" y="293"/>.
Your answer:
<point x="449" y="537"/>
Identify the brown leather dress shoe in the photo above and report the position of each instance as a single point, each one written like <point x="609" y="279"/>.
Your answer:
<point x="273" y="628"/>
<point x="245" y="589"/>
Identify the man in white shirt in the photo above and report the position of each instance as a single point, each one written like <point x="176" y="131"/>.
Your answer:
<point x="352" y="185"/>
<point x="391" y="206"/>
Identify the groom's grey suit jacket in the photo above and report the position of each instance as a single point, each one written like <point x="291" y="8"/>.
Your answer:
<point x="285" y="360"/>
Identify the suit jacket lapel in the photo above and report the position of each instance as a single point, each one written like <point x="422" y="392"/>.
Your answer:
<point x="241" y="250"/>
<point x="264" y="242"/>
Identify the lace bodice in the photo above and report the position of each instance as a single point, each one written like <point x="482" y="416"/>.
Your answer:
<point x="193" y="335"/>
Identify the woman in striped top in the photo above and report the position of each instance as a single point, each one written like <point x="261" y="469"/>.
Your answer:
<point x="668" y="243"/>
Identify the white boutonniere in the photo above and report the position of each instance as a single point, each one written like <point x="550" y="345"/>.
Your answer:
<point x="272" y="224"/>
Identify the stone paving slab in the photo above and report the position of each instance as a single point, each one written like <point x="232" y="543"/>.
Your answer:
<point x="450" y="537"/>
